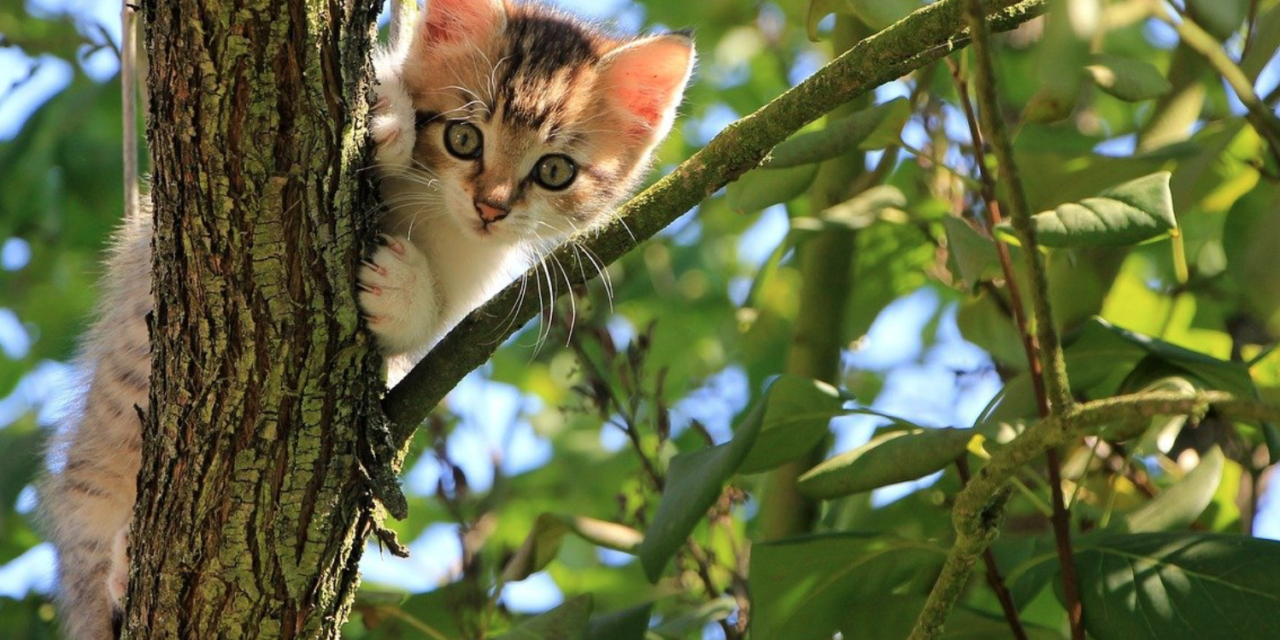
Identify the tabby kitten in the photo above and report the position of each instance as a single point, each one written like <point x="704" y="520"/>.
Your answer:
<point x="500" y="128"/>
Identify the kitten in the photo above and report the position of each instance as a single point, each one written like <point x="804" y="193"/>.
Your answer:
<point x="511" y="126"/>
<point x="500" y="128"/>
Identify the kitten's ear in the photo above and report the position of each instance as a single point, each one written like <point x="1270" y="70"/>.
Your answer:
<point x="644" y="80"/>
<point x="446" y="22"/>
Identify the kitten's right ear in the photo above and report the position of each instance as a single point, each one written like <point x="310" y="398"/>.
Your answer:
<point x="452" y="22"/>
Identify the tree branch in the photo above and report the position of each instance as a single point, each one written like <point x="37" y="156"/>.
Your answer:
<point x="978" y="506"/>
<point x="919" y="39"/>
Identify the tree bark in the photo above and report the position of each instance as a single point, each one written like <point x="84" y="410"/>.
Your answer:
<point x="251" y="513"/>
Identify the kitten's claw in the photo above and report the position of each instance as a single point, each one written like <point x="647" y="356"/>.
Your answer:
<point x="397" y="296"/>
<point x="391" y="243"/>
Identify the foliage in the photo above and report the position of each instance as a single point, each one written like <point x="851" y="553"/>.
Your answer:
<point x="663" y="387"/>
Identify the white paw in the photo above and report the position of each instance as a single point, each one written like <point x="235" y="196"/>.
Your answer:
<point x="398" y="296"/>
<point x="118" y="574"/>
<point x="392" y="126"/>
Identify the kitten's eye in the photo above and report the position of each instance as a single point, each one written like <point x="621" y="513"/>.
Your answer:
<point x="463" y="140"/>
<point x="555" y="171"/>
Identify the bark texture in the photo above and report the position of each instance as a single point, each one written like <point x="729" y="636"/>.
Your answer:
<point x="251" y="514"/>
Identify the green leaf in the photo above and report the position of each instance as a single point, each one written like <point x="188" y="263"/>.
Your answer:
<point x="1101" y="350"/>
<point x="818" y="9"/>
<point x="879" y="14"/>
<point x="876" y="127"/>
<point x="795" y="418"/>
<point x="971" y="255"/>
<point x="1178" y="506"/>
<point x="1135" y="211"/>
<point x="680" y="626"/>
<point x="1179" y="585"/>
<point x="801" y="587"/>
<point x="760" y="188"/>
<point x="858" y="212"/>
<point x="1127" y="78"/>
<point x="1101" y="356"/>
<point x="889" y="458"/>
<point x="565" y="622"/>
<point x="543" y="543"/>
<point x="1249" y="238"/>
<point x="1221" y="18"/>
<point x="1263" y="42"/>
<point x="694" y="481"/>
<point x="1163" y="431"/>
<point x="445" y="612"/>
<point x="628" y="624"/>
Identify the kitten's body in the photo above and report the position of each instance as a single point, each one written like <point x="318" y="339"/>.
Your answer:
<point x="535" y="84"/>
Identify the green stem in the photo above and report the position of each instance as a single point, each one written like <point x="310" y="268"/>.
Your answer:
<point x="913" y="42"/>
<point x="825" y="265"/>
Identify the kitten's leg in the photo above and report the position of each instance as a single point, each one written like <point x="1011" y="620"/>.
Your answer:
<point x="398" y="296"/>
<point x="88" y="502"/>
<point x="392" y="126"/>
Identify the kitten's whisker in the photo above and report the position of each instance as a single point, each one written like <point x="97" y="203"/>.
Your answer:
<point x="573" y="302"/>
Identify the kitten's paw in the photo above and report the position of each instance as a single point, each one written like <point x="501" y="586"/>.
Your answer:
<point x="392" y="126"/>
<point x="118" y="573"/>
<point x="397" y="296"/>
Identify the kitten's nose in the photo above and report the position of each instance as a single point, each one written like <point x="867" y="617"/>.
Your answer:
<point x="491" y="213"/>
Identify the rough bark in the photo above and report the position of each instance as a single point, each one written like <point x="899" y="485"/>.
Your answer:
<point x="252" y="514"/>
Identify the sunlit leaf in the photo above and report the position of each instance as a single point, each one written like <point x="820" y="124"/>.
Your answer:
<point x="1180" y="504"/>
<point x="1126" y="214"/>
<point x="760" y="188"/>
<point x="1179" y="585"/>
<point x="872" y="128"/>
<point x="890" y="458"/>
<point x="802" y="586"/>
<point x="795" y="418"/>
<point x="1127" y="78"/>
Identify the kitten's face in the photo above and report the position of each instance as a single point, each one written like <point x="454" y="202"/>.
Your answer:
<point x="531" y="125"/>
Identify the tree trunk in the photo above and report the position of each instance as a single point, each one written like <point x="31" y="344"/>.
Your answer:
<point x="251" y="514"/>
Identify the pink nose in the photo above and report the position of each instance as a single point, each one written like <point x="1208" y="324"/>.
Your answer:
<point x="490" y="213"/>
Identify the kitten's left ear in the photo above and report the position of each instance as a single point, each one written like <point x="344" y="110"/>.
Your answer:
<point x="644" y="80"/>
